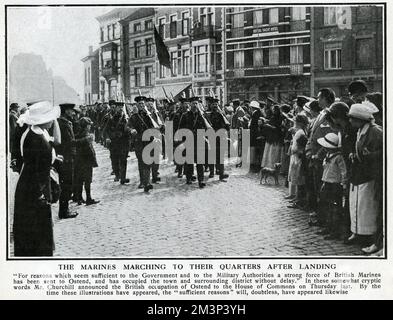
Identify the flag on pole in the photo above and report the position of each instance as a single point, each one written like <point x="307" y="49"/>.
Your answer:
<point x="162" y="50"/>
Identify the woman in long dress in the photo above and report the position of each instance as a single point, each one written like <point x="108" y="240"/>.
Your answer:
<point x="366" y="171"/>
<point x="32" y="228"/>
<point x="274" y="145"/>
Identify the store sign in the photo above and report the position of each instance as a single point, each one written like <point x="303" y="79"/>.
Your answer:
<point x="266" y="29"/>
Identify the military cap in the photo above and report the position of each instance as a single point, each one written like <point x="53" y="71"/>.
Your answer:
<point x="112" y="102"/>
<point x="67" y="105"/>
<point x="140" y="98"/>
<point x="302" y="100"/>
<point x="119" y="104"/>
<point x="14" y="106"/>
<point x="212" y="99"/>
<point x="150" y="99"/>
<point x="357" y="86"/>
<point x="195" y="99"/>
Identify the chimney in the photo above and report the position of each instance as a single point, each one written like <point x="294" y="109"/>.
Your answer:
<point x="90" y="50"/>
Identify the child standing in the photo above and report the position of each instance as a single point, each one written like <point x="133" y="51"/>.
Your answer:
<point x="85" y="161"/>
<point x="296" y="172"/>
<point x="334" y="182"/>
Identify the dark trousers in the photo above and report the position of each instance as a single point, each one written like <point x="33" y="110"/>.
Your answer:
<point x="143" y="168"/>
<point x="119" y="160"/>
<point x="313" y="185"/>
<point x="154" y="170"/>
<point x="330" y="205"/>
<point x="66" y="172"/>
<point x="189" y="171"/>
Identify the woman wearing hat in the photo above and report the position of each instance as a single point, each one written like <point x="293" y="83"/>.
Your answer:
<point x="364" y="194"/>
<point x="33" y="234"/>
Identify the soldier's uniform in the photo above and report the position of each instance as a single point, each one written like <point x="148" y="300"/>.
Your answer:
<point x="193" y="121"/>
<point x="218" y="122"/>
<point x="158" y="120"/>
<point x="119" y="135"/>
<point x="139" y="122"/>
<point x="176" y="118"/>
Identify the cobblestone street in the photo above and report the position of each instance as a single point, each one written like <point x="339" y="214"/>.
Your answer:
<point x="237" y="218"/>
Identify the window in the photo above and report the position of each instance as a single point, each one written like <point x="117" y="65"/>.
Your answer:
<point x="109" y="31"/>
<point x="206" y="16"/>
<point x="161" y="27"/>
<point x="173" y="27"/>
<point x="337" y="15"/>
<point x="298" y="13"/>
<point x="273" y="16"/>
<point x="149" y="46"/>
<point x="149" y="24"/>
<point x="174" y="63"/>
<point x="201" y="59"/>
<point x="137" y="72"/>
<point x="185" y="23"/>
<point x="273" y="56"/>
<point x="137" y="27"/>
<point x="364" y="52"/>
<point x="162" y="71"/>
<point x="258" y="57"/>
<point x="102" y="34"/>
<point x="239" y="59"/>
<point x="148" y="76"/>
<point x="258" y="17"/>
<point x="332" y="56"/>
<point x="113" y="31"/>
<point x="88" y="75"/>
<point x="186" y="62"/>
<point x="137" y="48"/>
<point x="85" y="77"/>
<point x="296" y="52"/>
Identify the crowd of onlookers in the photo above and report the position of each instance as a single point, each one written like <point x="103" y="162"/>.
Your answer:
<point x="330" y="150"/>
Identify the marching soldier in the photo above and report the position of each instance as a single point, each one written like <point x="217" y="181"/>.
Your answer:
<point x="193" y="120"/>
<point x="157" y="118"/>
<point x="119" y="135"/>
<point x="139" y="122"/>
<point x="176" y="118"/>
<point x="218" y="121"/>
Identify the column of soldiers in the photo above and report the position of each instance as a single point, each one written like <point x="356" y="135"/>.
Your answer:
<point x="120" y="128"/>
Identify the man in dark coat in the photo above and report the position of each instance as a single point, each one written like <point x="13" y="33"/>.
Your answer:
<point x="119" y="135"/>
<point x="139" y="122"/>
<point x="68" y="151"/>
<point x="194" y="120"/>
<point x="218" y="121"/>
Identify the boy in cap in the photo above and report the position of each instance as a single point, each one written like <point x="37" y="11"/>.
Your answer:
<point x="85" y="161"/>
<point x="334" y="183"/>
<point x="357" y="91"/>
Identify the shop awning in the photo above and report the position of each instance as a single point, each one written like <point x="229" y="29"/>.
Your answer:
<point x="173" y="89"/>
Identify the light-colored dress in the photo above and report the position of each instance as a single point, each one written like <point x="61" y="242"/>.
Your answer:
<point x="296" y="174"/>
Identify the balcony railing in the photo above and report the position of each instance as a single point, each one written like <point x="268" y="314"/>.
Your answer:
<point x="296" y="68"/>
<point x="203" y="32"/>
<point x="292" y="69"/>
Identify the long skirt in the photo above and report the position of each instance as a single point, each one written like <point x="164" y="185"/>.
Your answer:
<point x="296" y="175"/>
<point x="363" y="207"/>
<point x="272" y="154"/>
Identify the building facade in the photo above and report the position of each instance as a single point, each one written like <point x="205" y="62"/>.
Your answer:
<point x="91" y="77"/>
<point x="138" y="53"/>
<point x="110" y="54"/>
<point x="267" y="52"/>
<point x="347" y="45"/>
